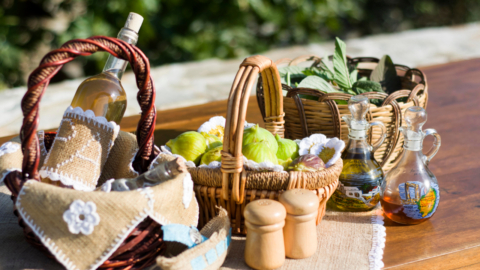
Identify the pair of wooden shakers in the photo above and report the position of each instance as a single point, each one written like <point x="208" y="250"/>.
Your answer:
<point x="267" y="244"/>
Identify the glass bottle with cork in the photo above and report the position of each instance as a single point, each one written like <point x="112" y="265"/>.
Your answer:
<point x="359" y="187"/>
<point x="104" y="93"/>
<point x="410" y="193"/>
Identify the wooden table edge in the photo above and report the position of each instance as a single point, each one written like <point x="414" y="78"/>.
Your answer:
<point x="451" y="260"/>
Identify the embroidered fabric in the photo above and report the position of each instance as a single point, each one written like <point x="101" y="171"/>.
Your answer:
<point x="107" y="186"/>
<point x="379" y="234"/>
<point x="262" y="166"/>
<point x="73" y="180"/>
<point x="187" y="190"/>
<point x="8" y="148"/>
<point x="88" y="114"/>
<point x="166" y="150"/>
<point x="212" y="165"/>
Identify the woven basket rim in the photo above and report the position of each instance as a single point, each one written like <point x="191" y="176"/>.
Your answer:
<point x="258" y="180"/>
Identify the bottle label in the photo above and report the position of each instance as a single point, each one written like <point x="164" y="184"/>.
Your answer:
<point x="363" y="197"/>
<point x="418" y="201"/>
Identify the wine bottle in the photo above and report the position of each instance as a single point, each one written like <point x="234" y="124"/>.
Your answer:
<point x="104" y="93"/>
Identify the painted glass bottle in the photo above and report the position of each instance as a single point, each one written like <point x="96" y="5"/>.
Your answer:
<point x="104" y="93"/>
<point x="359" y="187"/>
<point x="410" y="193"/>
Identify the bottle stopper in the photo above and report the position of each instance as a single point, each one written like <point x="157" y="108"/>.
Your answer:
<point x="415" y="117"/>
<point x="300" y="233"/>
<point x="264" y="247"/>
<point x="134" y="22"/>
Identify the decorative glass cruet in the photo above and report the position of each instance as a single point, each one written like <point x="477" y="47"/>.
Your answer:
<point x="359" y="187"/>
<point x="410" y="193"/>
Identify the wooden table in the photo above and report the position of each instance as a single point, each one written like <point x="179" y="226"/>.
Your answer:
<point x="451" y="238"/>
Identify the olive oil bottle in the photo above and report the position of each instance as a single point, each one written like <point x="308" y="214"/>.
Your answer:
<point x="104" y="93"/>
<point x="359" y="187"/>
<point x="410" y="192"/>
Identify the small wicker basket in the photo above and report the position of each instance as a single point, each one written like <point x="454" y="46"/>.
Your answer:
<point x="232" y="187"/>
<point x="305" y="117"/>
<point x="144" y="243"/>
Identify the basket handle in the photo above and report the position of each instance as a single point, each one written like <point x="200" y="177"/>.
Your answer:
<point x="52" y="63"/>
<point x="232" y="158"/>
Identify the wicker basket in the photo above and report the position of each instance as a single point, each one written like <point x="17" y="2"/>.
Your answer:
<point x="305" y="117"/>
<point x="141" y="247"/>
<point x="232" y="187"/>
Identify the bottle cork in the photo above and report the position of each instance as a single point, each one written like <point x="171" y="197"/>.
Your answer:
<point x="134" y="22"/>
<point x="264" y="247"/>
<point x="300" y="232"/>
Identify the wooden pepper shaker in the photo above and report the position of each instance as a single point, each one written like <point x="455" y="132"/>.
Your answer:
<point x="300" y="233"/>
<point x="264" y="247"/>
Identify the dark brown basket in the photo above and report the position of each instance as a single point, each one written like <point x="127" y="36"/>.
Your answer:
<point x="144" y="243"/>
<point x="305" y="117"/>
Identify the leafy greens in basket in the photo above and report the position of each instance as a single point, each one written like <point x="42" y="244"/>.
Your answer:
<point x="335" y="75"/>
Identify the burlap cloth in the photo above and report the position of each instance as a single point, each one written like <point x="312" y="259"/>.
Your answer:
<point x="345" y="241"/>
<point x="353" y="241"/>
<point x="80" y="149"/>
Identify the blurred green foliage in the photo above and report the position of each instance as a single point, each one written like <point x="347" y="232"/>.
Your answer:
<point x="184" y="30"/>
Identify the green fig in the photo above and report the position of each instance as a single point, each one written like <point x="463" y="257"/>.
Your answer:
<point x="212" y="140"/>
<point x="285" y="163"/>
<point x="214" y="154"/>
<point x="190" y="145"/>
<point x="259" y="152"/>
<point x="286" y="148"/>
<point x="257" y="134"/>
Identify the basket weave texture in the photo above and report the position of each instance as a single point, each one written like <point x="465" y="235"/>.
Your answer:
<point x="232" y="187"/>
<point x="304" y="117"/>
<point x="141" y="247"/>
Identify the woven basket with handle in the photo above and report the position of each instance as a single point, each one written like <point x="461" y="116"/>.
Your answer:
<point x="232" y="187"/>
<point x="304" y="117"/>
<point x="144" y="243"/>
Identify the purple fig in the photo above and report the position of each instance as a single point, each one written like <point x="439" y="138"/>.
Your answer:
<point x="307" y="163"/>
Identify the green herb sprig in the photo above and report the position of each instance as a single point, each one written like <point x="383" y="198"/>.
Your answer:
<point x="339" y="76"/>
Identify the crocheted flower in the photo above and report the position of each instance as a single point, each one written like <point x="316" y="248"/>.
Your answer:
<point x="307" y="143"/>
<point x="216" y="126"/>
<point x="81" y="217"/>
<point x="329" y="151"/>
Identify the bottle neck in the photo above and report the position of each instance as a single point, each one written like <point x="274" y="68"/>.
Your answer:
<point x="412" y="157"/>
<point x="358" y="144"/>
<point x="116" y="66"/>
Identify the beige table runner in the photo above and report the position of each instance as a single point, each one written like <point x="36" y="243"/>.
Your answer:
<point x="345" y="241"/>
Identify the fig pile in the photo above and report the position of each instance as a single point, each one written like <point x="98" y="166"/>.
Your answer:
<point x="258" y="145"/>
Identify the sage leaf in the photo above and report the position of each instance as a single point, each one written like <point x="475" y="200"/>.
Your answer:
<point x="318" y="72"/>
<point x="292" y="69"/>
<point x="353" y="76"/>
<point x="326" y="65"/>
<point x="342" y="74"/>
<point x="315" y="82"/>
<point x="368" y="86"/>
<point x="291" y="74"/>
<point x="386" y="74"/>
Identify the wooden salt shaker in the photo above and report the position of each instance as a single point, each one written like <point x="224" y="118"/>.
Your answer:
<point x="300" y="233"/>
<point x="264" y="247"/>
